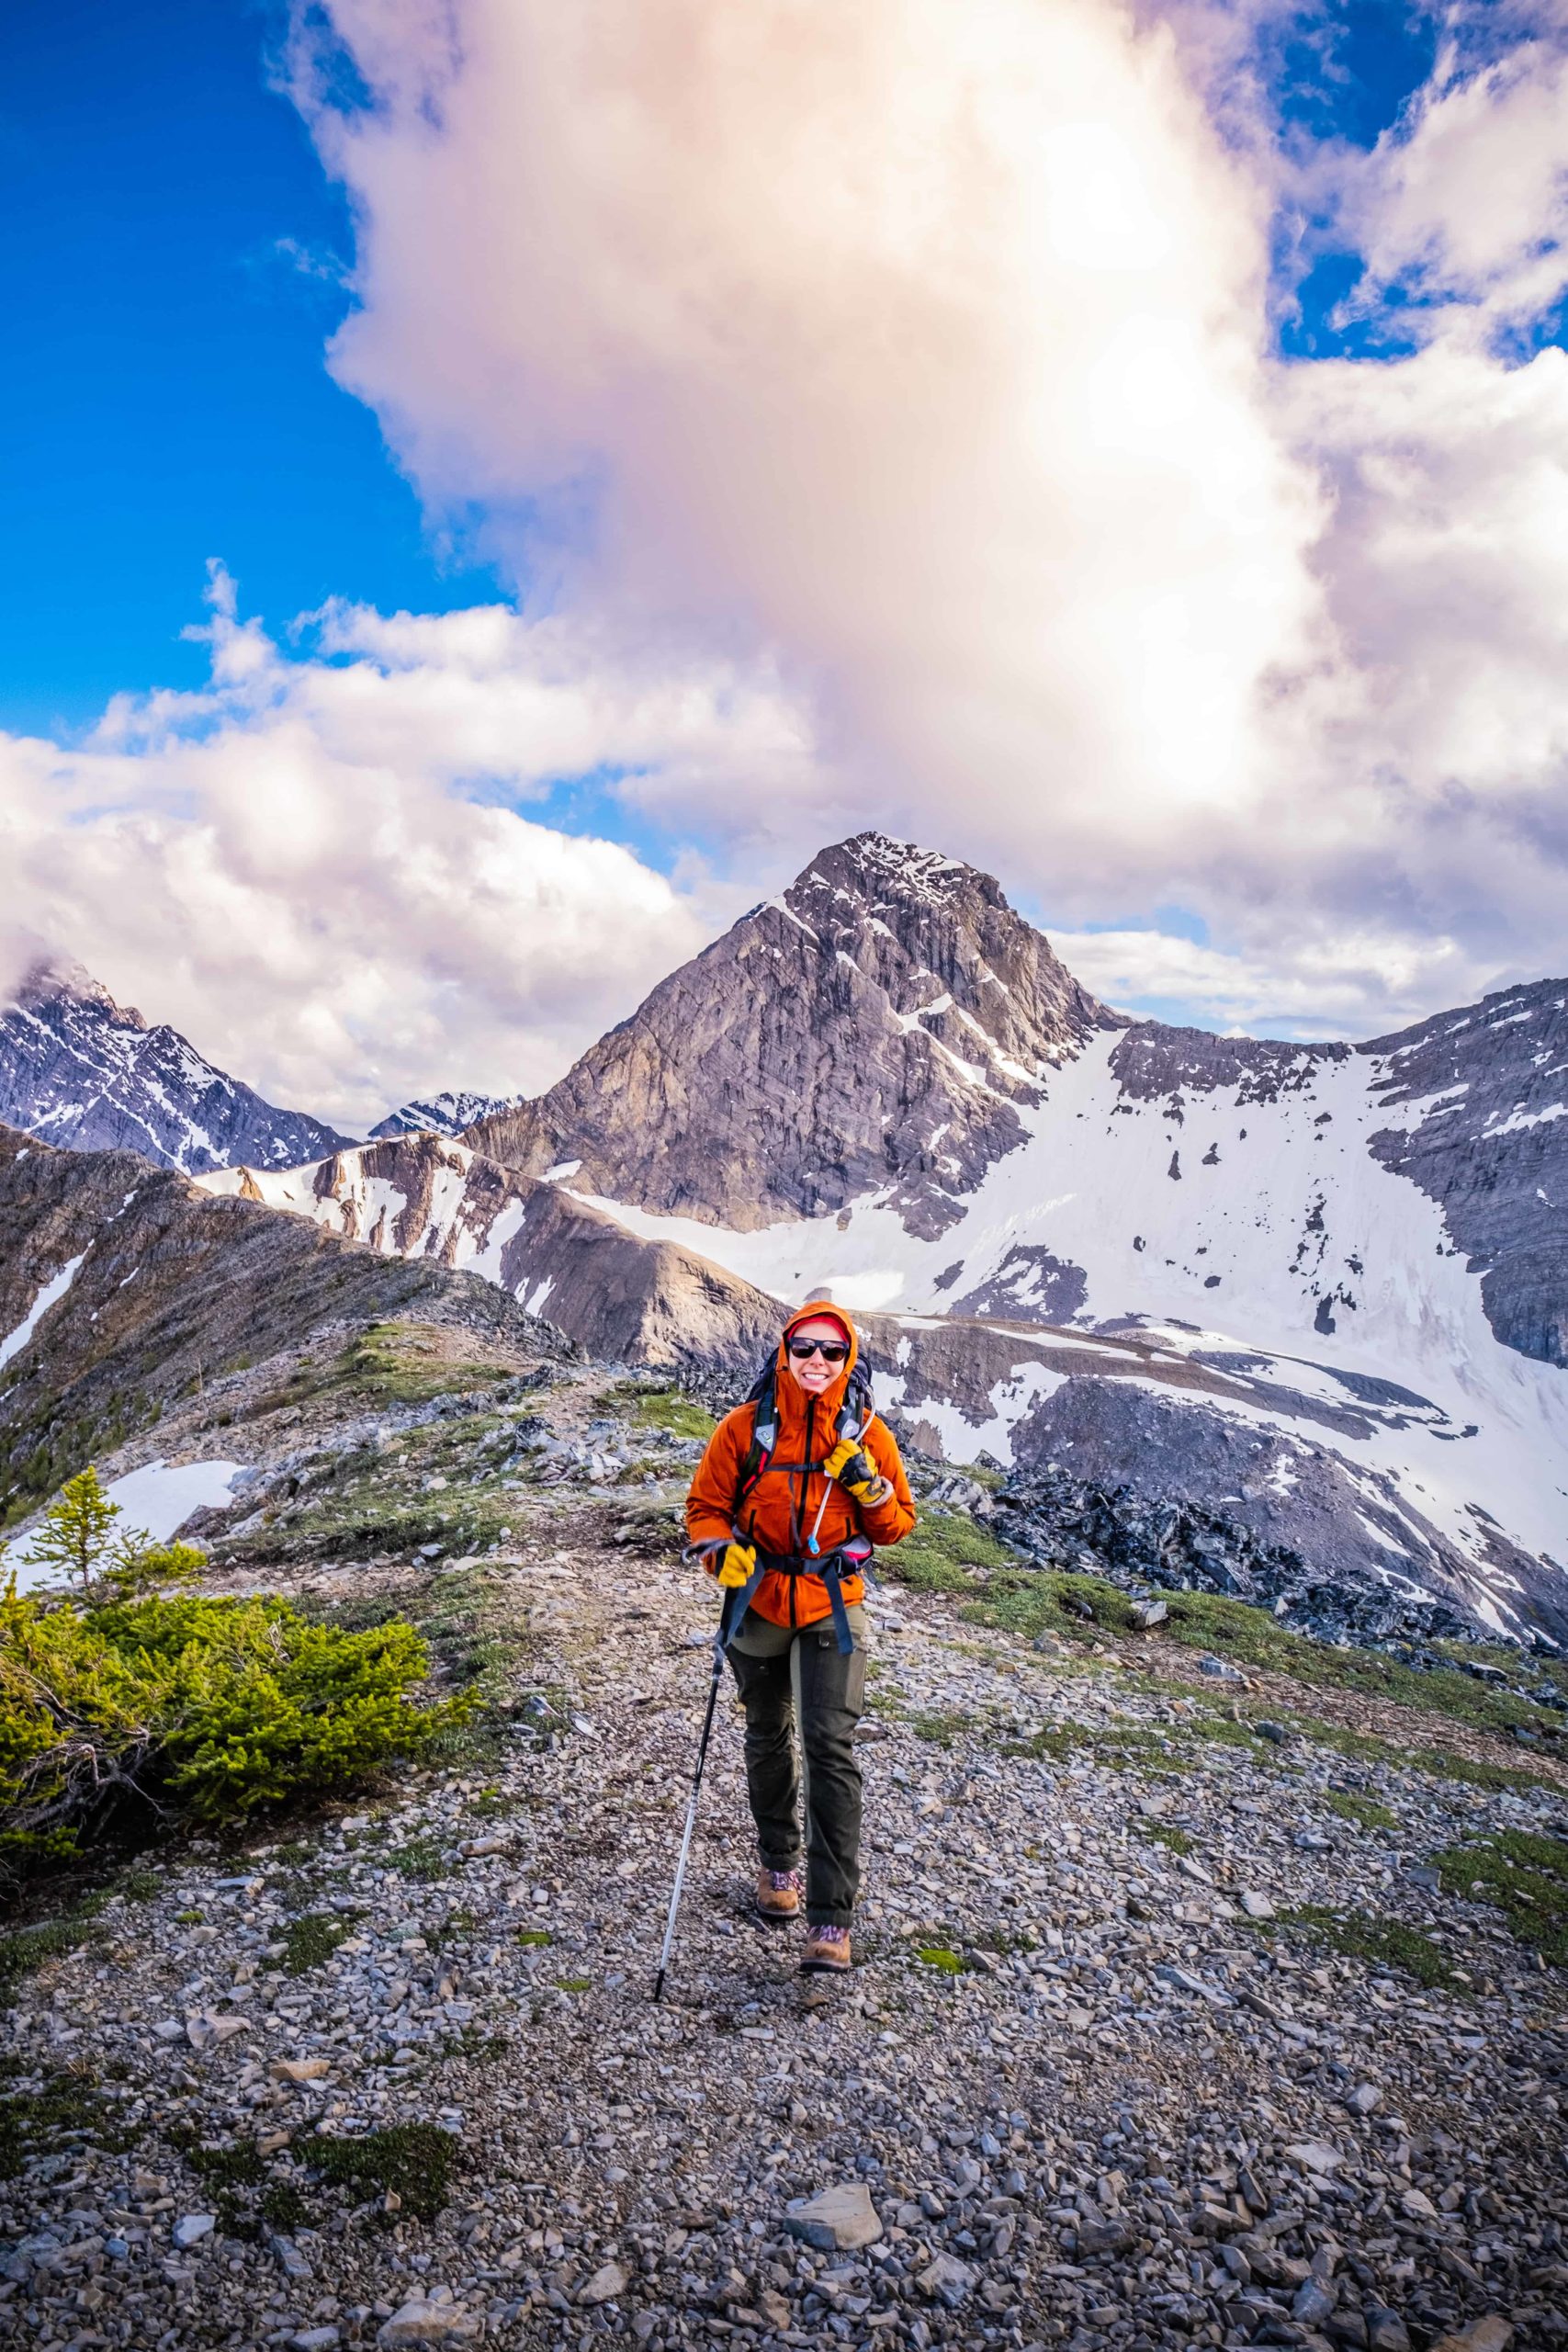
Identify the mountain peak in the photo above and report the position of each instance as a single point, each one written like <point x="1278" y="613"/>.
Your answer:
<point x="874" y="866"/>
<point x="876" y="1028"/>
<point x="82" y="1070"/>
<point x="52" y="978"/>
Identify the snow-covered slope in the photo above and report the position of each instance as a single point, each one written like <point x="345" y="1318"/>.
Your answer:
<point x="84" y="1072"/>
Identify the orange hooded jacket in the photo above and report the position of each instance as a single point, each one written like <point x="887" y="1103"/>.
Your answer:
<point x="781" y="1510"/>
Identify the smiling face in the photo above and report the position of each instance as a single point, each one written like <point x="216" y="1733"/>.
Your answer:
<point x="815" y="1372"/>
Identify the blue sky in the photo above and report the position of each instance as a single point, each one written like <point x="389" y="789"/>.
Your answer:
<point x="171" y="262"/>
<point x="1244" y="674"/>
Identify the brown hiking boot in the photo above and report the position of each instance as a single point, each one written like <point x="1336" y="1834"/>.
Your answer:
<point x="826" y="1952"/>
<point x="778" y="1895"/>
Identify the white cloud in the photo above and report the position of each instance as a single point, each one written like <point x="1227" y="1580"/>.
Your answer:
<point x="921" y="354"/>
<point x="1464" y="202"/>
<point x="284" y="867"/>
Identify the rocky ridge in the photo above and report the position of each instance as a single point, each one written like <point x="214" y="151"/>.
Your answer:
<point x="124" y="1288"/>
<point x="81" y="1071"/>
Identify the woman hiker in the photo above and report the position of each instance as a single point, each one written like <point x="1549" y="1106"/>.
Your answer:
<point x="774" y="1521"/>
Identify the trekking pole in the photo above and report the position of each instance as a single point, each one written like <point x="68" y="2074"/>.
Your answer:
<point x="692" y="1799"/>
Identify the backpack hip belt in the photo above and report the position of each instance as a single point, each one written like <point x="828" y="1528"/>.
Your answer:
<point x="852" y="1559"/>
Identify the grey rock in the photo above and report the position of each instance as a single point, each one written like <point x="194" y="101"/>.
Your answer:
<point x="837" y="2219"/>
<point x="1493" y="2334"/>
<point x="1313" y="2302"/>
<point x="947" y="2280"/>
<point x="421" y="2321"/>
<point x="191" y="2229"/>
<point x="1315" y="2155"/>
<point x="1386" y="2331"/>
<point x="608" y="2281"/>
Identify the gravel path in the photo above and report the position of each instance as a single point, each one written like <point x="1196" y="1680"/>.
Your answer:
<point x="1109" y="2108"/>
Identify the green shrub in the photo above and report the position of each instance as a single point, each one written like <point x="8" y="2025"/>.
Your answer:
<point x="219" y="1707"/>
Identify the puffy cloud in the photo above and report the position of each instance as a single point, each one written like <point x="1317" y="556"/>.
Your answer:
<point x="1464" y="204"/>
<point x="916" y="361"/>
<point x="914" y="343"/>
<point x="315" y="870"/>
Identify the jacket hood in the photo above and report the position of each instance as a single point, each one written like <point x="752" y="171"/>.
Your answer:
<point x="792" y="1398"/>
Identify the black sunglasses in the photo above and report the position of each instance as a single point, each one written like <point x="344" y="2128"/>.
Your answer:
<point x="830" y="1350"/>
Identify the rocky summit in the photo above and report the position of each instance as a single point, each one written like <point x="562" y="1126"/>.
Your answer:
<point x="77" y="1069"/>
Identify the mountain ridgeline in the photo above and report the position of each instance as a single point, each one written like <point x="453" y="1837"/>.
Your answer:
<point x="1317" y="1294"/>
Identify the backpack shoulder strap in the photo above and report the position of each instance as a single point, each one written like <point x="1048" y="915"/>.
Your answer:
<point x="859" y="1409"/>
<point x="763" y="1395"/>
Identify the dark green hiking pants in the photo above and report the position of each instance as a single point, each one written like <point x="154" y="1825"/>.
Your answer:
<point x="790" y="1680"/>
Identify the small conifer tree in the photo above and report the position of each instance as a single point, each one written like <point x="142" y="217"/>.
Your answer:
<point x="79" y="1543"/>
<point x="77" y="1533"/>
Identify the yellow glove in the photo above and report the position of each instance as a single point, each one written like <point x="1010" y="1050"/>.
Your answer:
<point x="735" y="1568"/>
<point x="856" y="1473"/>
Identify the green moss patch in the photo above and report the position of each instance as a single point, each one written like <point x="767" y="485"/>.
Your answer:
<point x="64" y="2110"/>
<point x="1166" y="1833"/>
<point x="1087" y="1607"/>
<point x="413" y="2162"/>
<point x="1363" y="1811"/>
<point x="934" y="1556"/>
<point x="1525" y="1875"/>
<point x="670" y="1410"/>
<point x="937" y="1956"/>
<point x="1356" y="1935"/>
<point x="310" y="1940"/>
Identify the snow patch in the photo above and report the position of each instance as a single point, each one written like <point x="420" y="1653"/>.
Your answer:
<point x="52" y="1291"/>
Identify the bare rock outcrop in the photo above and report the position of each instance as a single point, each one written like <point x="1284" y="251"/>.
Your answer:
<point x="877" y="1027"/>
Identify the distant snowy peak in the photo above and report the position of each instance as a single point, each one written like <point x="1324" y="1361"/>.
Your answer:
<point x="81" y="1071"/>
<point x="878" y="1027"/>
<point x="440" y="1114"/>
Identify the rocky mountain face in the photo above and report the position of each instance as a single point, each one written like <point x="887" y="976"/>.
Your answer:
<point x="880" y="1028"/>
<point x="1477" y="1108"/>
<point x="621" y="1299"/>
<point x="82" y="1071"/>
<point x="446" y="1114"/>
<point x="124" y="1287"/>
